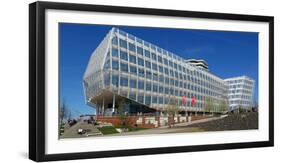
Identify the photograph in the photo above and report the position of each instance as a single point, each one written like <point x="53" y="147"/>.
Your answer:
<point x="113" y="81"/>
<point x="134" y="80"/>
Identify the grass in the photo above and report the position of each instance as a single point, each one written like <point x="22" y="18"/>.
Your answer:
<point x="130" y="128"/>
<point x="108" y="130"/>
<point x="61" y="129"/>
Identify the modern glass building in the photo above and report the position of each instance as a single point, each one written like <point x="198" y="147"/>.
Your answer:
<point x="147" y="78"/>
<point x="240" y="92"/>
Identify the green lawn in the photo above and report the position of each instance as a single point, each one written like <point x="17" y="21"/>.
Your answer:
<point x="131" y="128"/>
<point x="108" y="130"/>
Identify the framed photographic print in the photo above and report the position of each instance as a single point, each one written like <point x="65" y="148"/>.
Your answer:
<point x="108" y="81"/>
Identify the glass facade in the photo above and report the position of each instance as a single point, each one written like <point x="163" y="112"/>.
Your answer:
<point x="152" y="76"/>
<point x="240" y="92"/>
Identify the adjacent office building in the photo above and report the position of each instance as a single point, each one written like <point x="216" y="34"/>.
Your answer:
<point x="240" y="92"/>
<point x="127" y="71"/>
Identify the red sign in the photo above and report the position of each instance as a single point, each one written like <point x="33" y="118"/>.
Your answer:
<point x="193" y="101"/>
<point x="183" y="100"/>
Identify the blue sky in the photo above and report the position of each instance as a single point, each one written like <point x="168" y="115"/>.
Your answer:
<point x="228" y="54"/>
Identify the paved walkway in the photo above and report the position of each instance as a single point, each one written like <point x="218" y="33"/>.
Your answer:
<point x="177" y="128"/>
<point x="198" y="121"/>
<point x="72" y="131"/>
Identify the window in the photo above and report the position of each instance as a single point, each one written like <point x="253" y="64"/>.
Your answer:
<point x="164" y="52"/>
<point x="140" y="62"/>
<point x="124" y="81"/>
<point x="160" y="99"/>
<point x="170" y="63"/>
<point x="172" y="81"/>
<point x="148" y="74"/>
<point x="139" y="50"/>
<point x="133" y="83"/>
<point x="148" y="86"/>
<point x="159" y="50"/>
<point x="180" y="84"/>
<point x="160" y="59"/>
<point x="180" y="93"/>
<point x="147" y="99"/>
<point x="165" y="61"/>
<point x="153" y="55"/>
<point x="166" y="90"/>
<point x="114" y="40"/>
<point x="132" y="47"/>
<point x="140" y="98"/>
<point x="147" y="53"/>
<point x="155" y="77"/>
<point x="124" y="55"/>
<point x="160" y="69"/>
<point x="176" y="92"/>
<point x="183" y="69"/>
<point x="172" y="91"/>
<point x="114" y="52"/>
<point x="155" y="88"/>
<point x="180" y="67"/>
<point x="133" y="69"/>
<point x="154" y="99"/>
<point x="166" y="80"/>
<point x="115" y="65"/>
<point x="132" y="59"/>
<point x="124" y="67"/>
<point x="176" y="74"/>
<point x="154" y="66"/>
<point x="123" y="43"/>
<point x="140" y="84"/>
<point x="161" y="78"/>
<point x="161" y="89"/>
<point x="170" y="54"/>
<point x="115" y="80"/>
<point x="166" y="71"/>
<point x="132" y="95"/>
<point x="175" y="65"/>
<point x="141" y="72"/>
<point x="148" y="64"/>
<point x="171" y="73"/>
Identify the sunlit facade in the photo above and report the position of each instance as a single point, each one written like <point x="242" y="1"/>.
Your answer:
<point x="147" y="77"/>
<point x="240" y="92"/>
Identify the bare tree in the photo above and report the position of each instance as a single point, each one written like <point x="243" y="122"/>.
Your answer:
<point x="209" y="104"/>
<point x="121" y="112"/>
<point x="222" y="106"/>
<point x="69" y="114"/>
<point x="172" y="108"/>
<point x="63" y="112"/>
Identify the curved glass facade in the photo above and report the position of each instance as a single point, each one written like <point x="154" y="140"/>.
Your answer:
<point x="148" y="75"/>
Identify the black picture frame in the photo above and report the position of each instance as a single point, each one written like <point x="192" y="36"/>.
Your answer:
<point x="37" y="80"/>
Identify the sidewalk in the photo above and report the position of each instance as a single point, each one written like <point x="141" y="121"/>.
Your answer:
<point x="177" y="128"/>
<point x="198" y="121"/>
